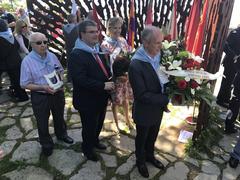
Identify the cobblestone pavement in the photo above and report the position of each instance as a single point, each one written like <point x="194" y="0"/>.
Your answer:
<point x="23" y="160"/>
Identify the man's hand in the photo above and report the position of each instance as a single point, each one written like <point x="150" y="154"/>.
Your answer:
<point x="109" y="86"/>
<point x="48" y="89"/>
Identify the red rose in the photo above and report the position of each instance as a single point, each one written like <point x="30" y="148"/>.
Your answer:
<point x="182" y="84"/>
<point x="168" y="38"/>
<point x="197" y="65"/>
<point x="193" y="84"/>
<point x="188" y="64"/>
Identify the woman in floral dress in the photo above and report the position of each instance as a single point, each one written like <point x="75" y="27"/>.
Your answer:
<point x="116" y="45"/>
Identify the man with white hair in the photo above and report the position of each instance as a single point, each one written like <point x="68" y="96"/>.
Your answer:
<point x="149" y="98"/>
<point x="38" y="63"/>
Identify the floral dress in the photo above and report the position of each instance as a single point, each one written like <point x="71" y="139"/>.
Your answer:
<point x="123" y="89"/>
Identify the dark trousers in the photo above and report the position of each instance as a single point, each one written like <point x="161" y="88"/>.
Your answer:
<point x="234" y="103"/>
<point x="224" y="93"/>
<point x="92" y="123"/>
<point x="14" y="76"/>
<point x="42" y="105"/>
<point x="144" y="142"/>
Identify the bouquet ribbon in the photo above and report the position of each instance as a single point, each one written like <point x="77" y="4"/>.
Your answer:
<point x="192" y="74"/>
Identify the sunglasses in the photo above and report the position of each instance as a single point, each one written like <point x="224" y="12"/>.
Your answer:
<point x="40" y="42"/>
<point x="24" y="26"/>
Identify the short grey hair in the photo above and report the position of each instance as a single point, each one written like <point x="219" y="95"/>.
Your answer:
<point x="148" y="33"/>
<point x="33" y="36"/>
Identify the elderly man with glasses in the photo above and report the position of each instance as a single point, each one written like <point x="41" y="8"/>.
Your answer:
<point x="91" y="86"/>
<point x="45" y="99"/>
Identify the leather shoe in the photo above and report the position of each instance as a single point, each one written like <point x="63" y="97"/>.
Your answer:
<point x="233" y="163"/>
<point x="91" y="156"/>
<point x="142" y="169"/>
<point x="100" y="146"/>
<point x="47" y="151"/>
<point x="66" y="139"/>
<point x="156" y="163"/>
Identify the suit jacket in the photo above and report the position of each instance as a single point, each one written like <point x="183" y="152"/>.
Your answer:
<point x="149" y="101"/>
<point x="232" y="47"/>
<point x="88" y="80"/>
<point x="9" y="56"/>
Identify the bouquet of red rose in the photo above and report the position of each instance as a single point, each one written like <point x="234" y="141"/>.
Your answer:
<point x="187" y="79"/>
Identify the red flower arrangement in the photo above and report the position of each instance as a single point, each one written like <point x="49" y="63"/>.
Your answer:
<point x="186" y="82"/>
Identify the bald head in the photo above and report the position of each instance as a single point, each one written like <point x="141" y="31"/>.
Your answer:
<point x="152" y="40"/>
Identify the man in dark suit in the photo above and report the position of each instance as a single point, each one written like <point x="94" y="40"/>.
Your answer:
<point x="232" y="49"/>
<point x="90" y="77"/>
<point x="149" y="100"/>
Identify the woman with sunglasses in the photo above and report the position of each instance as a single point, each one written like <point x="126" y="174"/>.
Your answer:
<point x="115" y="45"/>
<point x="22" y="34"/>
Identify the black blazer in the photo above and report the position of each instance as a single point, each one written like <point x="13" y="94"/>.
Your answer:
<point x="88" y="80"/>
<point x="149" y="101"/>
<point x="9" y="56"/>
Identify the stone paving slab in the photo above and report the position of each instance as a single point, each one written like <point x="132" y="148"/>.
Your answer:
<point x="22" y="149"/>
<point x="29" y="173"/>
<point x="67" y="164"/>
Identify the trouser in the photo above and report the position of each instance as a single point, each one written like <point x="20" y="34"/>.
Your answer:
<point x="92" y="123"/>
<point x="224" y="93"/>
<point x="144" y="142"/>
<point x="236" y="150"/>
<point x="42" y="105"/>
<point x="234" y="103"/>
<point x="14" y="76"/>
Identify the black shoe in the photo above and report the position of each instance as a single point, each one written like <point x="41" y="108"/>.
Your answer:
<point x="142" y="169"/>
<point x="22" y="99"/>
<point x="231" y="131"/>
<point x="47" y="151"/>
<point x="91" y="156"/>
<point x="233" y="163"/>
<point x="223" y="104"/>
<point x="155" y="163"/>
<point x="100" y="146"/>
<point x="66" y="139"/>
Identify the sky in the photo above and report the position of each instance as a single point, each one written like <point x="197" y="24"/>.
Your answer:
<point x="235" y="19"/>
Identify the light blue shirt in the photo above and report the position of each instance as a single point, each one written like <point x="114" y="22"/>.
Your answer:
<point x="34" y="67"/>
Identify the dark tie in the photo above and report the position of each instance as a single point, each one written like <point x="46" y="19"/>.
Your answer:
<point x="101" y="65"/>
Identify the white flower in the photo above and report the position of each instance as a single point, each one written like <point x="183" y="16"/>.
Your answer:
<point x="199" y="81"/>
<point x="167" y="45"/>
<point x="175" y="65"/>
<point x="192" y="91"/>
<point x="197" y="58"/>
<point x="167" y="53"/>
<point x="208" y="85"/>
<point x="187" y="78"/>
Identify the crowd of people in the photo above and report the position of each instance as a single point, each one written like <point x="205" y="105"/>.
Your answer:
<point x="100" y="73"/>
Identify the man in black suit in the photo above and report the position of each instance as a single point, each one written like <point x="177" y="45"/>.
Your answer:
<point x="149" y="100"/>
<point x="232" y="49"/>
<point x="90" y="77"/>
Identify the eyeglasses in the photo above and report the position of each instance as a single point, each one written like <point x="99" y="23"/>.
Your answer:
<point x="24" y="26"/>
<point x="92" y="32"/>
<point x="40" y="42"/>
